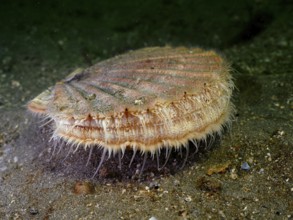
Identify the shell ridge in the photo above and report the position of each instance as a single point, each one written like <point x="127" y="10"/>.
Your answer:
<point x="102" y="97"/>
<point x="144" y="100"/>
<point x="78" y="97"/>
<point x="163" y="56"/>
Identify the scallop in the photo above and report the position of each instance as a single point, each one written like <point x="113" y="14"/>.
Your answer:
<point x="144" y="100"/>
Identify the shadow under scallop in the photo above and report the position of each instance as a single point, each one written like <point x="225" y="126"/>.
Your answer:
<point x="65" y="160"/>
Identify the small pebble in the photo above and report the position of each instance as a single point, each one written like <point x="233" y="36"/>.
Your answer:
<point x="188" y="199"/>
<point x="83" y="188"/>
<point x="15" y="159"/>
<point x="245" y="166"/>
<point x="233" y="174"/>
<point x="261" y="171"/>
<point x="154" y="185"/>
<point x="34" y="211"/>
<point x="15" y="84"/>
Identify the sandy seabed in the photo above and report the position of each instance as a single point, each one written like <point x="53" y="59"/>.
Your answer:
<point x="245" y="175"/>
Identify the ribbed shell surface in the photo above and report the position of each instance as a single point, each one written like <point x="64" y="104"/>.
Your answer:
<point x="147" y="98"/>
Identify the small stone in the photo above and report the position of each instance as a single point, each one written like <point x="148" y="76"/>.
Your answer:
<point x="245" y="166"/>
<point x="261" y="171"/>
<point x="268" y="157"/>
<point x="188" y="199"/>
<point x="15" y="84"/>
<point x="233" y="174"/>
<point x="15" y="159"/>
<point x="154" y="185"/>
<point x="83" y="188"/>
<point x="33" y="211"/>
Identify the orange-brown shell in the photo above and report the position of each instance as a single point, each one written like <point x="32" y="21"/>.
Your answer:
<point x="144" y="99"/>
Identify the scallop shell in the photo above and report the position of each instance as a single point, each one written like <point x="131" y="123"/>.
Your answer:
<point x="148" y="99"/>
